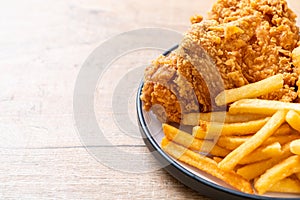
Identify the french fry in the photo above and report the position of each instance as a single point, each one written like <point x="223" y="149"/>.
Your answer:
<point x="254" y="170"/>
<point x="282" y="139"/>
<point x="232" y="142"/>
<point x="278" y="172"/>
<point x="256" y="140"/>
<point x="286" y="185"/>
<point x="207" y="165"/>
<point x="293" y="119"/>
<point x="251" y="90"/>
<point x="234" y="157"/>
<point x="211" y="133"/>
<point x="262" y="153"/>
<point x="242" y="118"/>
<point x="193" y="119"/>
<point x="177" y="151"/>
<point x="189" y="141"/>
<point x="259" y="106"/>
<point x="211" y="130"/>
<point x="295" y="146"/>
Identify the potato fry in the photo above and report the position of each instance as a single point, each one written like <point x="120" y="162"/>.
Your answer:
<point x="255" y="141"/>
<point x="203" y="133"/>
<point x="233" y="158"/>
<point x="211" y="130"/>
<point x="282" y="139"/>
<point x="278" y="172"/>
<point x="193" y="119"/>
<point x="293" y="119"/>
<point x="243" y="118"/>
<point x="287" y="185"/>
<point x="177" y="151"/>
<point x="254" y="170"/>
<point x="207" y="165"/>
<point x="232" y="142"/>
<point x="295" y="146"/>
<point x="251" y="90"/>
<point x="262" y="153"/>
<point x="189" y="141"/>
<point x="259" y="106"/>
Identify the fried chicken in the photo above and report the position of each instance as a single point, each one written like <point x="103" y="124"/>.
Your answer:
<point x="241" y="42"/>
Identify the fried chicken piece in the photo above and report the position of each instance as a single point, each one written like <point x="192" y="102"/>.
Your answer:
<point x="269" y="51"/>
<point x="242" y="42"/>
<point x="182" y="87"/>
<point x="165" y="86"/>
<point x="224" y="43"/>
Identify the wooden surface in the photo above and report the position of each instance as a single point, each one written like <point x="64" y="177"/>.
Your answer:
<point x="43" y="46"/>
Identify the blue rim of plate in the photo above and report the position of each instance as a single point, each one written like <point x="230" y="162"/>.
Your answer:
<point x="179" y="172"/>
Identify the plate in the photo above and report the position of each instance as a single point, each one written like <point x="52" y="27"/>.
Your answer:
<point x="205" y="184"/>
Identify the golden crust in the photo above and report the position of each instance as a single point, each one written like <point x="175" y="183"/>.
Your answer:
<point x="248" y="40"/>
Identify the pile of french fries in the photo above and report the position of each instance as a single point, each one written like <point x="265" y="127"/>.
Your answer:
<point x="254" y="147"/>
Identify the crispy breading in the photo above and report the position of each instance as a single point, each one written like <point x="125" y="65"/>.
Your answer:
<point x="246" y="41"/>
<point x="165" y="86"/>
<point x="270" y="51"/>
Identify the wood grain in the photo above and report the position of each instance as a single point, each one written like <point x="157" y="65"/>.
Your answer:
<point x="43" y="46"/>
<point x="71" y="173"/>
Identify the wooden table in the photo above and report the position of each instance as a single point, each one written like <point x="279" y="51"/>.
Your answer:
<point x="43" y="46"/>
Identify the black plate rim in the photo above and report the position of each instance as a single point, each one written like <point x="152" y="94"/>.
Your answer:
<point x="186" y="177"/>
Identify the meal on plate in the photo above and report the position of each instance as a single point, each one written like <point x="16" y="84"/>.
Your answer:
<point x="234" y="79"/>
<point x="248" y="40"/>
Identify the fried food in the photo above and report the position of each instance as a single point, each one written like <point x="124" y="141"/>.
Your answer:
<point x="194" y="119"/>
<point x="244" y="49"/>
<point x="234" y="157"/>
<point x="259" y="106"/>
<point x="264" y="157"/>
<point x="240" y="42"/>
<point x="262" y="153"/>
<point x="276" y="36"/>
<point x="207" y="165"/>
<point x="251" y="90"/>
<point x="287" y="185"/>
<point x="293" y="119"/>
<point x="254" y="170"/>
<point x="278" y="172"/>
<point x="295" y="146"/>
<point x="192" y="143"/>
<point x="232" y="142"/>
<point x="210" y="130"/>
